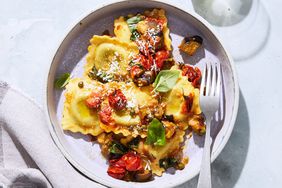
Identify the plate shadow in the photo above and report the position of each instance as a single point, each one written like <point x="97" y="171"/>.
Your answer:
<point x="227" y="168"/>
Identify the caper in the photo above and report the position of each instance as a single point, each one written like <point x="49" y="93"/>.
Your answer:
<point x="80" y="84"/>
<point x="181" y="166"/>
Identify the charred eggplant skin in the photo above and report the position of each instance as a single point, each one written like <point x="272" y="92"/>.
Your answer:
<point x="145" y="79"/>
<point x="146" y="175"/>
<point x="190" y="45"/>
<point x="195" y="38"/>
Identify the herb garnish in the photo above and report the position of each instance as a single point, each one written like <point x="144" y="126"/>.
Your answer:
<point x="165" y="80"/>
<point x="93" y="73"/>
<point x="100" y="75"/>
<point x="132" y="23"/>
<point x="117" y="148"/>
<point x="156" y="133"/>
<point x="104" y="77"/>
<point x="62" y="81"/>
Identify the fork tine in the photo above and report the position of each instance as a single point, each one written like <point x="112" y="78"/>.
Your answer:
<point x="208" y="79"/>
<point x="203" y="81"/>
<point x="210" y="104"/>
<point x="213" y="82"/>
<point x="218" y="84"/>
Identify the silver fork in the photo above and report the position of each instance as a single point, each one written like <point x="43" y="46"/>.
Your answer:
<point x="209" y="102"/>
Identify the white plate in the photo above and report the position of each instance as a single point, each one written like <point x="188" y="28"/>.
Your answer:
<point x="70" y="57"/>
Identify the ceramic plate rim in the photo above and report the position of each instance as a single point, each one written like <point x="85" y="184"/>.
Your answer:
<point x="201" y="21"/>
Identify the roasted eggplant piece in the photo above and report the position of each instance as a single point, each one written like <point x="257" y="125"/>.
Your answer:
<point x="190" y="45"/>
<point x="145" y="79"/>
<point x="106" y="32"/>
<point x="143" y="176"/>
<point x="168" y="163"/>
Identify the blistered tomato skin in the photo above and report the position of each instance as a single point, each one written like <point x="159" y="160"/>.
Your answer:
<point x="105" y="115"/>
<point x="155" y="24"/>
<point x="136" y="71"/>
<point x="94" y="100"/>
<point x="146" y="62"/>
<point x="120" y="163"/>
<point x="117" y="100"/>
<point x="194" y="75"/>
<point x="129" y="162"/>
<point x="160" y="57"/>
<point x="197" y="82"/>
<point x="132" y="161"/>
<point x="116" y="172"/>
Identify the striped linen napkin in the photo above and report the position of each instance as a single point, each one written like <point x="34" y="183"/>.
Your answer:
<point x="28" y="156"/>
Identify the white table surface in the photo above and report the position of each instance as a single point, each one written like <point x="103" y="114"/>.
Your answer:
<point x="30" y="30"/>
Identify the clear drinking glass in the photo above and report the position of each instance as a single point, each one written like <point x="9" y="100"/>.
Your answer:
<point x="243" y="25"/>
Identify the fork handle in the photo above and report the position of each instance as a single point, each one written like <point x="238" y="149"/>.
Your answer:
<point x="204" y="180"/>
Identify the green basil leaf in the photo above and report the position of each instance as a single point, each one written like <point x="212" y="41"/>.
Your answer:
<point x="118" y="148"/>
<point x="62" y="81"/>
<point x="156" y="133"/>
<point x="132" y="22"/>
<point x="165" y="80"/>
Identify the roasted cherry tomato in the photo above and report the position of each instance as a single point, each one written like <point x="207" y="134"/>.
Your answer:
<point x="194" y="75"/>
<point x="117" y="100"/>
<point x="155" y="24"/>
<point x="128" y="162"/>
<point x="132" y="161"/>
<point x="113" y="161"/>
<point x="94" y="100"/>
<point x="136" y="71"/>
<point x="119" y="163"/>
<point x="146" y="62"/>
<point x="197" y="82"/>
<point x="116" y="171"/>
<point x="160" y="57"/>
<point x="105" y="115"/>
<point x="156" y="42"/>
